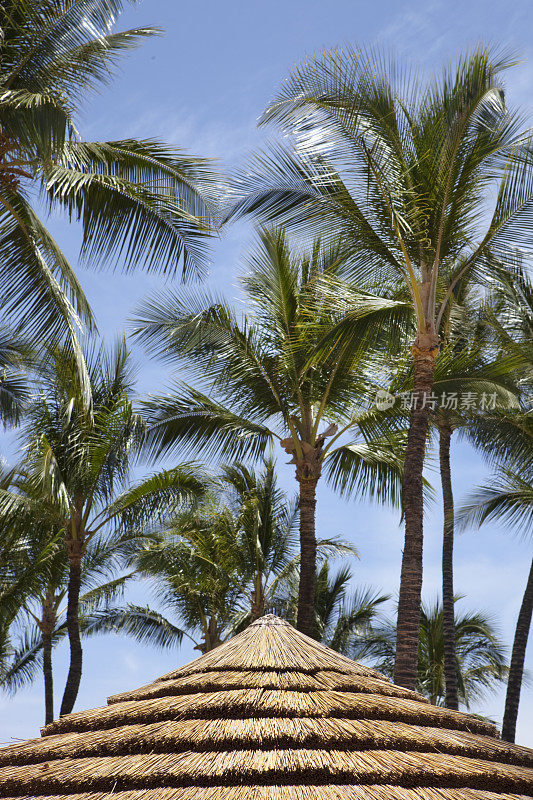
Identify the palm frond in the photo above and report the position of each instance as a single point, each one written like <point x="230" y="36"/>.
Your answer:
<point x="158" y="496"/>
<point x="370" y="468"/>
<point x="25" y="661"/>
<point x="192" y="420"/>
<point x="137" y="202"/>
<point x="104" y="594"/>
<point x="508" y="498"/>
<point x="40" y="289"/>
<point x="143" y="624"/>
<point x="39" y="38"/>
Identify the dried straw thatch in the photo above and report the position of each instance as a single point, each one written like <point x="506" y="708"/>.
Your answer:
<point x="269" y="715"/>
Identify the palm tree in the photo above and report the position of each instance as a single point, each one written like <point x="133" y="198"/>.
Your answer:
<point x="277" y="373"/>
<point x="41" y="620"/>
<point x="446" y="422"/>
<point x="343" y="620"/>
<point x="42" y="595"/>
<point x="141" y="201"/>
<point x="399" y="173"/>
<point x="20" y="577"/>
<point x="265" y="521"/>
<point x="479" y="653"/>
<point x="194" y="570"/>
<point x="76" y="474"/>
<point x="509" y="497"/>
<point x="468" y="366"/>
<point x="218" y="567"/>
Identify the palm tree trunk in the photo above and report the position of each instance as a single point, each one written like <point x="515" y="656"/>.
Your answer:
<point x="47" y="626"/>
<point x="448" y="611"/>
<point x="48" y="678"/>
<point x="408" y="626"/>
<point x="306" y="591"/>
<point x="211" y="637"/>
<point x="73" y="627"/>
<point x="516" y="670"/>
<point x="258" y="597"/>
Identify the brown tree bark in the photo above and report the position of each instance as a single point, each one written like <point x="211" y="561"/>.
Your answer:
<point x="211" y="637"/>
<point x="516" y="670"/>
<point x="75" y="550"/>
<point x="47" y="625"/>
<point x="408" y="626"/>
<point x="307" y="455"/>
<point x="258" y="597"/>
<point x="306" y="591"/>
<point x="48" y="678"/>
<point x="448" y="611"/>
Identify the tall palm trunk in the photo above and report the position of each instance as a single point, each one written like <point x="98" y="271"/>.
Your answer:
<point x="306" y="591"/>
<point x="516" y="669"/>
<point x="48" y="678"/>
<point x="448" y="617"/>
<point x="47" y="625"/>
<point x="73" y="627"/>
<point x="408" y="626"/>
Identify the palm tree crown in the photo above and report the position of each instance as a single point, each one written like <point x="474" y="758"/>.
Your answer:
<point x="480" y="656"/>
<point x="40" y="623"/>
<point x="76" y="475"/>
<point x="140" y="201"/>
<point x="277" y="373"/>
<point x="218" y="566"/>
<point x="403" y="174"/>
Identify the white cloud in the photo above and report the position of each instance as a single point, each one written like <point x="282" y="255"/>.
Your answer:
<point x="130" y="662"/>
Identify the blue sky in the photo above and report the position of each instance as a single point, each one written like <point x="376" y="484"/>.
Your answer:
<point x="201" y="87"/>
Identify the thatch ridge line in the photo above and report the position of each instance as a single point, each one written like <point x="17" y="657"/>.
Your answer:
<point x="241" y="703"/>
<point x="473" y="726"/>
<point x="193" y="668"/>
<point x="275" y="680"/>
<point x="408" y="770"/>
<point x="270" y="731"/>
<point x="291" y="792"/>
<point x="162" y="748"/>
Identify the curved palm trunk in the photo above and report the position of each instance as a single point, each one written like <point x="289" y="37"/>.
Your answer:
<point x="73" y="627"/>
<point x="448" y="616"/>
<point x="306" y="590"/>
<point x="48" y="678"/>
<point x="516" y="670"/>
<point x="408" y="626"/>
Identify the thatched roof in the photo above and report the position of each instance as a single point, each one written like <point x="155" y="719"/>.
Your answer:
<point x="269" y="715"/>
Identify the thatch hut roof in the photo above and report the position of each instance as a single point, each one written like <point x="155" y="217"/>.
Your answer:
<point x="269" y="715"/>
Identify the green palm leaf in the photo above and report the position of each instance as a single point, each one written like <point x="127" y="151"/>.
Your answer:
<point x="192" y="419"/>
<point x="143" y="624"/>
<point x="138" y="202"/>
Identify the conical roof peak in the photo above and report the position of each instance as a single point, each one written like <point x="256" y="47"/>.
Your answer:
<point x="271" y="643"/>
<point x="269" y="715"/>
<point x="270" y="619"/>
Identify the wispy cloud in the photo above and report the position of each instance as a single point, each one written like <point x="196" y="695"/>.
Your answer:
<point x="419" y="29"/>
<point x="130" y="662"/>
